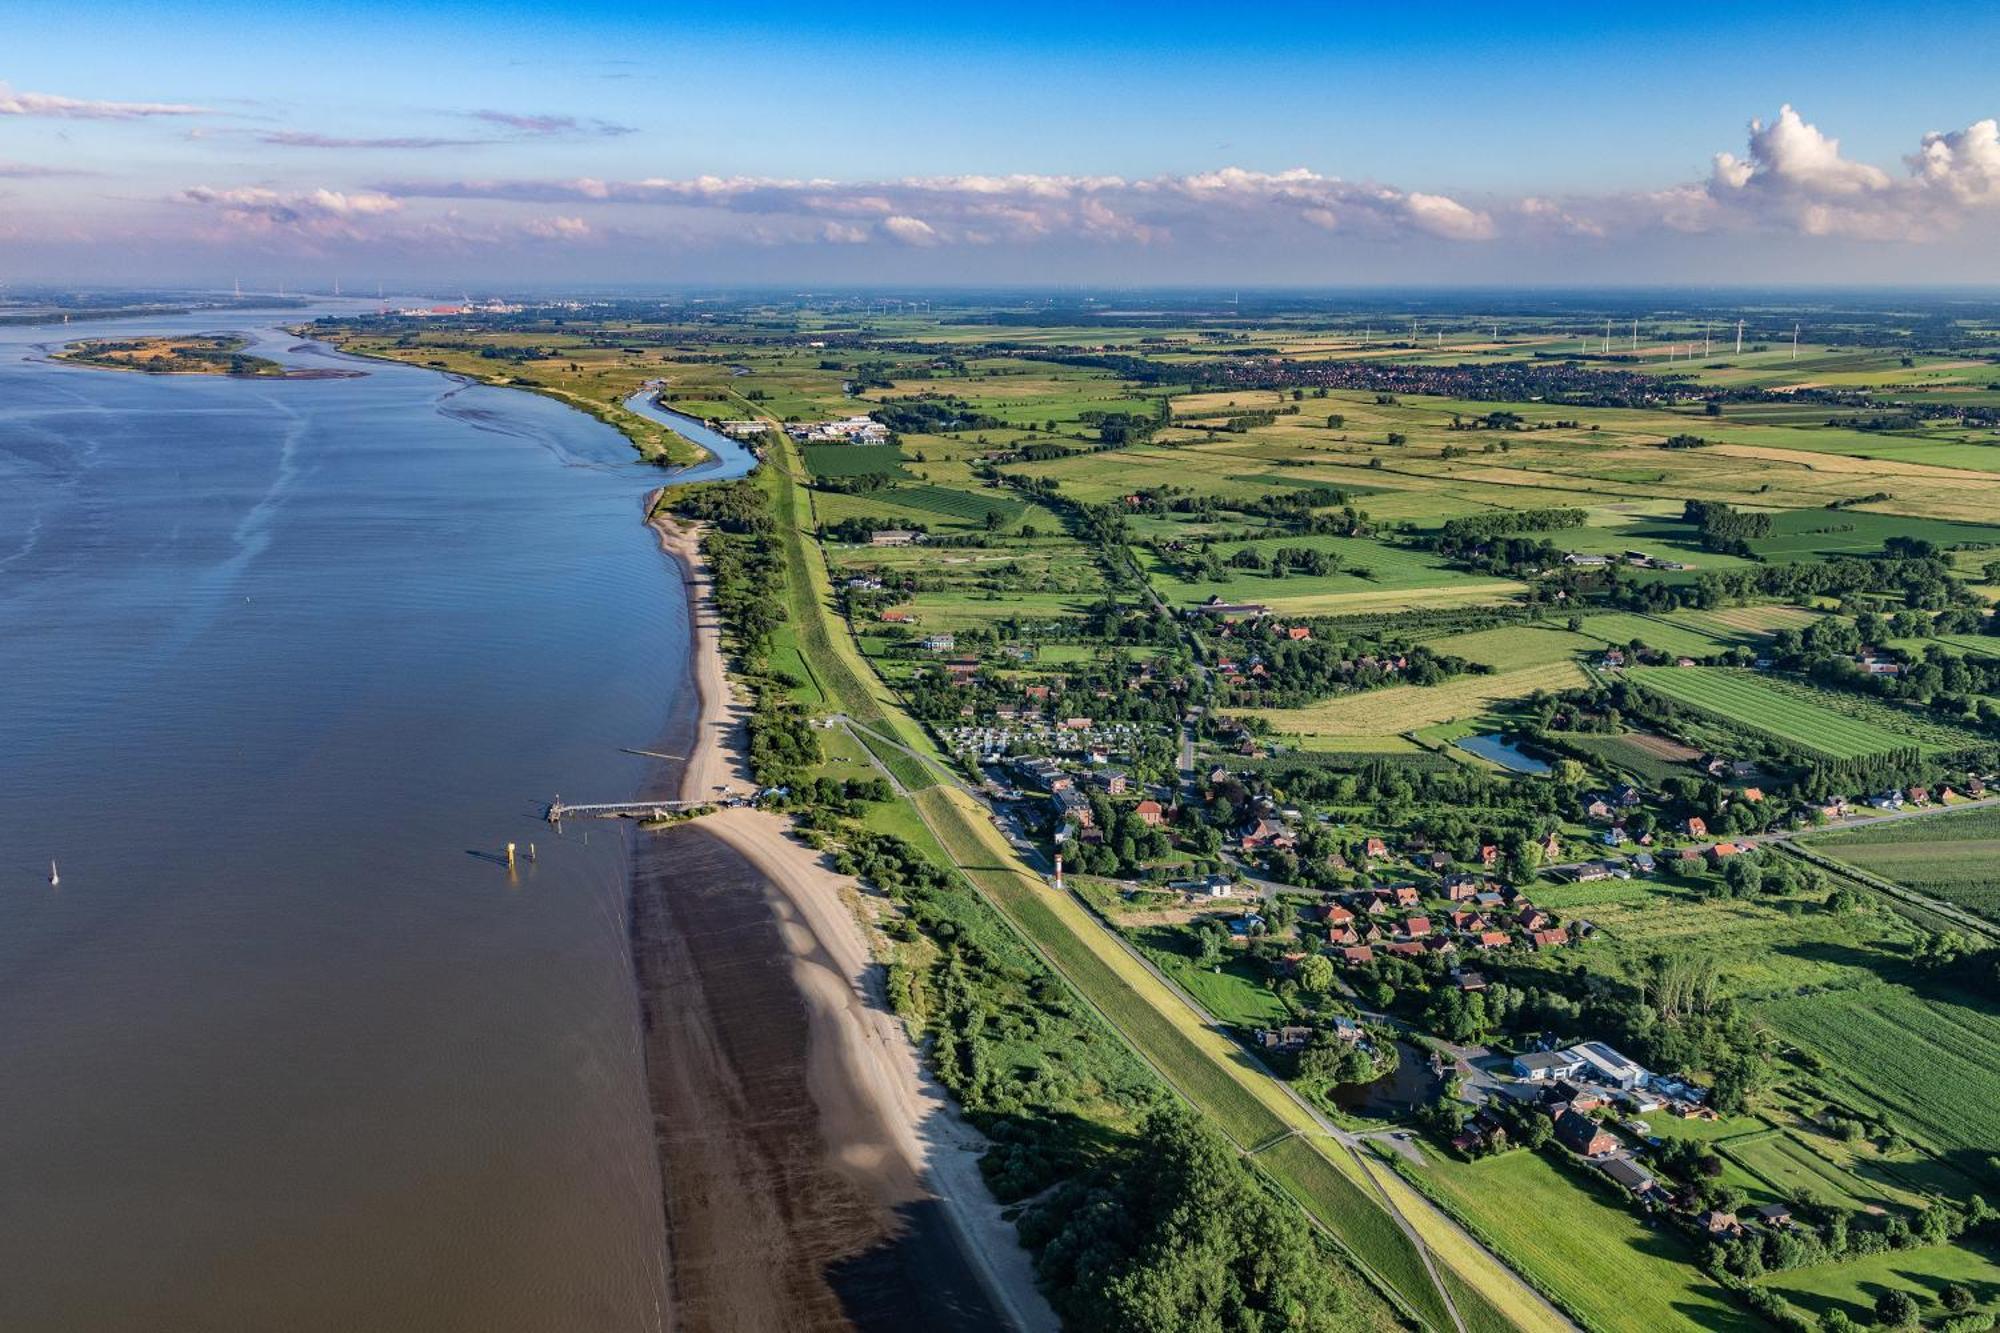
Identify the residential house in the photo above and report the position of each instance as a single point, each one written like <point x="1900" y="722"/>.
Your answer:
<point x="940" y="643"/>
<point x="1534" y="918"/>
<point x="1492" y="939"/>
<point x="1357" y="954"/>
<point x="1406" y="895"/>
<point x="1415" y="928"/>
<point x="1548" y="939"/>
<point x="1282" y="1041"/>
<point x="1719" y="1224"/>
<point x="1462" y="888"/>
<point x="1374" y="848"/>
<point x="1268" y="833"/>
<point x="1584" y="1136"/>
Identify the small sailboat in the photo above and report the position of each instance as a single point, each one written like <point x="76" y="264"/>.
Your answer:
<point x="54" y="877"/>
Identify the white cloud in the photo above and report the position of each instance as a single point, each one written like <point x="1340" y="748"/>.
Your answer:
<point x="557" y="228"/>
<point x="909" y="230"/>
<point x="13" y="103"/>
<point x="1964" y="164"/>
<point x="1794" y="177"/>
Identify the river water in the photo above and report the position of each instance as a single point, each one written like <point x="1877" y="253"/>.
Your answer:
<point x="285" y="666"/>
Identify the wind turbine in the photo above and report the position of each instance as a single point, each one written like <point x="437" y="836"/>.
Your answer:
<point x="1739" y="337"/>
<point x="1795" y="342"/>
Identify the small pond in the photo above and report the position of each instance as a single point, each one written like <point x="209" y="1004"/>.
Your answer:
<point x="1502" y="752"/>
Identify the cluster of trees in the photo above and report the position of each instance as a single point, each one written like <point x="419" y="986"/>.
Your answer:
<point x="1298" y="673"/>
<point x="1831" y="1236"/>
<point x="933" y="415"/>
<point x="1924" y="583"/>
<point x="979" y="995"/>
<point x="1724" y="529"/>
<point x="1458" y="533"/>
<point x="1176" y="1232"/>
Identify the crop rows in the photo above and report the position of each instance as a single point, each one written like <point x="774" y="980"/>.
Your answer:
<point x="1928" y="1065"/>
<point x="1810" y="719"/>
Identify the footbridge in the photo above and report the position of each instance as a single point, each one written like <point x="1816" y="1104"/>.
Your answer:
<point x="560" y="810"/>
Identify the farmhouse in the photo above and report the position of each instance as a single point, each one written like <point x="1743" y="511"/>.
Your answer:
<point x="1584" y="1136"/>
<point x="893" y="537"/>
<point x="1282" y="1041"/>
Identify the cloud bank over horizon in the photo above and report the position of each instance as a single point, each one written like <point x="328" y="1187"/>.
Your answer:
<point x="322" y="197"/>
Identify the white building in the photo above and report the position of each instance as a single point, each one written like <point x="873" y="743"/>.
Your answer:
<point x="1606" y="1065"/>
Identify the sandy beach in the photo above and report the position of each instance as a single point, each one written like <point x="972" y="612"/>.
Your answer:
<point x="883" y="1127"/>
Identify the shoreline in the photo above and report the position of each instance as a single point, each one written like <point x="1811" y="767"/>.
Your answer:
<point x="896" y="1134"/>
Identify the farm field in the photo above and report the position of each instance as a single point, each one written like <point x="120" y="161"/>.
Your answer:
<point x="1852" y="1286"/>
<point x="1618" y="628"/>
<point x="1761" y="950"/>
<point x="1368" y="568"/>
<point x="1512" y="647"/>
<point x="1402" y="708"/>
<point x="1581" y="1244"/>
<point x="1836" y="725"/>
<point x="1650" y="759"/>
<point x="853" y="460"/>
<point x="1954" y="857"/>
<point x="1783" y="1168"/>
<point x="1925" y="1064"/>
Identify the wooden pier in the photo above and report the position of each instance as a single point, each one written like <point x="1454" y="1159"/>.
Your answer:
<point x="560" y="810"/>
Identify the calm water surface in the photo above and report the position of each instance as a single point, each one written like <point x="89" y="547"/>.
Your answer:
<point x="283" y="665"/>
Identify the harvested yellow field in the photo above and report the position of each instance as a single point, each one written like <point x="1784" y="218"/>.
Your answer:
<point x="1396" y="599"/>
<point x="1407" y="707"/>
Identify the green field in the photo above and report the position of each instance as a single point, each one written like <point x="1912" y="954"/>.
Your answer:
<point x="1784" y="1167"/>
<point x="1580" y="1242"/>
<point x="1955" y="857"/>
<point x="853" y="460"/>
<point x="1367" y="566"/>
<point x="1926" y="1064"/>
<point x="1618" y="628"/>
<point x="1852" y="1286"/>
<point x="1839" y="726"/>
<point x="1645" y="758"/>
<point x="1233" y="991"/>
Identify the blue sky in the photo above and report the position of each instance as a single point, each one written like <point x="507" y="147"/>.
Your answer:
<point x="1050" y="142"/>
